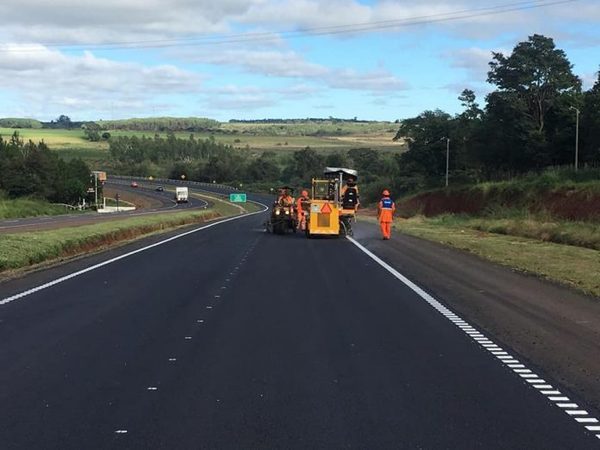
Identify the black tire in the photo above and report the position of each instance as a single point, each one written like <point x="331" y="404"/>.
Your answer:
<point x="278" y="228"/>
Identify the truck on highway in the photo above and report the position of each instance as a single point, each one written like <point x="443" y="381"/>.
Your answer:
<point x="181" y="194"/>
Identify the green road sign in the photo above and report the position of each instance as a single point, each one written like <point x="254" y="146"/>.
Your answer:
<point x="237" y="198"/>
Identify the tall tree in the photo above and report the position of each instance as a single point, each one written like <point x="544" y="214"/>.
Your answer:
<point x="426" y="135"/>
<point x="537" y="72"/>
<point x="590" y="124"/>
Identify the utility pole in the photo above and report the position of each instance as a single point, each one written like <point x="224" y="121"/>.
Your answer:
<point x="96" y="188"/>
<point x="576" y="137"/>
<point x="447" y="159"/>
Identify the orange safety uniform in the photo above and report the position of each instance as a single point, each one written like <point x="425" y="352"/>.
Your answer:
<point x="385" y="213"/>
<point x="302" y="210"/>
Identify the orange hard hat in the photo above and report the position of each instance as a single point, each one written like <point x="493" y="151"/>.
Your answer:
<point x="305" y="193"/>
<point x="386" y="192"/>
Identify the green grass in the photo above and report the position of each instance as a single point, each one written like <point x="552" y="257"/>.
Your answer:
<point x="253" y="137"/>
<point x="25" y="249"/>
<point x="113" y="202"/>
<point x="567" y="264"/>
<point x="579" y="234"/>
<point x="27" y="207"/>
<point x="56" y="139"/>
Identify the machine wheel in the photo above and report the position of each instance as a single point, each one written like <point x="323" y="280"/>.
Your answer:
<point x="346" y="228"/>
<point x="278" y="228"/>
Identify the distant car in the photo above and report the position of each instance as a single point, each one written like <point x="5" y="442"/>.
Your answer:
<point x="159" y="189"/>
<point x="134" y="184"/>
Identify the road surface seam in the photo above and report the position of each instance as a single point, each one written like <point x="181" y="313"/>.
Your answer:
<point x="173" y="359"/>
<point x="41" y="287"/>
<point x="553" y="395"/>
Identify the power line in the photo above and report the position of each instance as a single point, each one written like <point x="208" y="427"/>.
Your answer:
<point x="306" y="32"/>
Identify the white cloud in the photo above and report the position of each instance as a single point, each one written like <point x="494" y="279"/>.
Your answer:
<point x="278" y="63"/>
<point x="97" y="21"/>
<point x="375" y="81"/>
<point x="589" y="79"/>
<point x="475" y="60"/>
<point x="48" y="80"/>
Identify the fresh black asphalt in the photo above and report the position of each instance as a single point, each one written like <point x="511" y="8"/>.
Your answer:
<point x="234" y="338"/>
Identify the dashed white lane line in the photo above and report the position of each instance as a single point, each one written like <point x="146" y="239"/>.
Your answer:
<point x="41" y="287"/>
<point x="172" y="359"/>
<point x="534" y="380"/>
<point x="121" y="431"/>
<point x="152" y="388"/>
<point x="188" y="338"/>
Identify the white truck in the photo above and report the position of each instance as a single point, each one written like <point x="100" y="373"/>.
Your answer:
<point x="181" y="194"/>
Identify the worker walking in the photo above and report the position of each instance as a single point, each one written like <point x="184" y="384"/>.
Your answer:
<point x="385" y="214"/>
<point x="302" y="209"/>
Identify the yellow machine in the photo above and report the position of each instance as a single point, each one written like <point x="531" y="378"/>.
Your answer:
<point x="328" y="216"/>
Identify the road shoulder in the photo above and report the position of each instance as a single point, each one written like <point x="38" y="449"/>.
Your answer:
<point x="557" y="329"/>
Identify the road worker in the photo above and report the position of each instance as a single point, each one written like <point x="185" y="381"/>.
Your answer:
<point x="350" y="197"/>
<point x="284" y="198"/>
<point x="385" y="214"/>
<point x="302" y="209"/>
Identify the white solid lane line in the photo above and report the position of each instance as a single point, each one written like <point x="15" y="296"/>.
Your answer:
<point x="528" y="376"/>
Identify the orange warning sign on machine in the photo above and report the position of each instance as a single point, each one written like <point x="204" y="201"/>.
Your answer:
<point x="326" y="209"/>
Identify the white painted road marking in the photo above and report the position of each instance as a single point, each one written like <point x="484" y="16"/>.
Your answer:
<point x="534" y="380"/>
<point x="120" y="257"/>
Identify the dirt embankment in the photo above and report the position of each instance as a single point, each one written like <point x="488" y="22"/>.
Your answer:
<point x="569" y="204"/>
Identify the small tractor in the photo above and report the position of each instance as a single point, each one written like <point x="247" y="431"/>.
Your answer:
<point x="283" y="215"/>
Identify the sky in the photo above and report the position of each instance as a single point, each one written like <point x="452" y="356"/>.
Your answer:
<point x="256" y="59"/>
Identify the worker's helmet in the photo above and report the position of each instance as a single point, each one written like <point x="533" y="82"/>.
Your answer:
<point x="386" y="192"/>
<point x="305" y="193"/>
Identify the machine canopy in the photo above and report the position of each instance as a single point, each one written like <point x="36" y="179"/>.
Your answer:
<point x="346" y="173"/>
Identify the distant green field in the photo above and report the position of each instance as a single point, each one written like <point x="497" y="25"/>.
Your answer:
<point x="326" y="136"/>
<point x="56" y="139"/>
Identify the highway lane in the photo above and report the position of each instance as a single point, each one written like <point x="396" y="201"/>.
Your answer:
<point x="163" y="201"/>
<point x="233" y="338"/>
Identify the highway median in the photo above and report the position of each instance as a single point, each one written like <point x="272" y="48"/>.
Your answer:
<point x="21" y="251"/>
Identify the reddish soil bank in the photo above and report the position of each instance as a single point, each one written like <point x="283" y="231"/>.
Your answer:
<point x="567" y="204"/>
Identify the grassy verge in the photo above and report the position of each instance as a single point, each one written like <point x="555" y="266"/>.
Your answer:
<point x="580" y="234"/>
<point x="26" y="249"/>
<point x="574" y="266"/>
<point x="26" y="207"/>
<point x="22" y="250"/>
<point x="113" y="202"/>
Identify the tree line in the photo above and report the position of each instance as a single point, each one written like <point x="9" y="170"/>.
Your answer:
<point x="207" y="160"/>
<point x="29" y="169"/>
<point x="161" y="124"/>
<point x="527" y="124"/>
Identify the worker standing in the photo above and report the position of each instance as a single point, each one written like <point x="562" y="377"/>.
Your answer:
<point x="349" y="194"/>
<point x="385" y="214"/>
<point x="302" y="207"/>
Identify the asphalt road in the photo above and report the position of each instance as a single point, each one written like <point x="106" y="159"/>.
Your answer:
<point x="160" y="201"/>
<point x="229" y="337"/>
